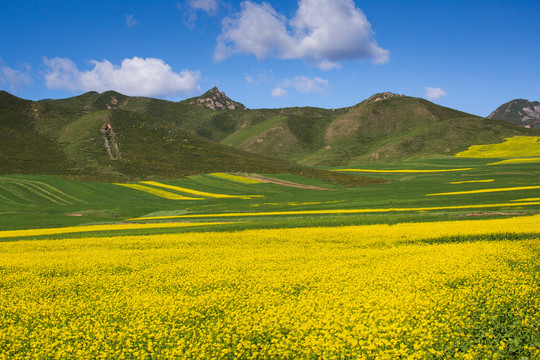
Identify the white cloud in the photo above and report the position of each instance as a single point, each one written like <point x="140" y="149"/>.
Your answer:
<point x="208" y="6"/>
<point x="328" y="65"/>
<point x="136" y="76"/>
<point x="131" y="21"/>
<point x="279" y="92"/>
<point x="434" y="93"/>
<point x="192" y="7"/>
<point x="322" y="31"/>
<point x="302" y="84"/>
<point x="14" y="79"/>
<point x="306" y="85"/>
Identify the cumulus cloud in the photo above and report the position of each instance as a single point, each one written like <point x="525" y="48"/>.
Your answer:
<point x="434" y="93"/>
<point x="306" y="85"/>
<point x="136" y="77"/>
<point x="279" y="92"/>
<point x="302" y="84"/>
<point x="14" y="79"/>
<point x="323" y="32"/>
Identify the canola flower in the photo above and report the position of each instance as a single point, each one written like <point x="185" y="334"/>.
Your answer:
<point x="237" y="178"/>
<point x="338" y="211"/>
<point x="197" y="192"/>
<point x="486" y="190"/>
<point x="518" y="146"/>
<point x="528" y="199"/>
<point x="158" y="192"/>
<point x="91" y="228"/>
<point x="516" y="161"/>
<point x="402" y="170"/>
<point x="472" y="181"/>
<point x="357" y="292"/>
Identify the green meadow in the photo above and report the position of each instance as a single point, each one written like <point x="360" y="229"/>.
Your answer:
<point x="430" y="189"/>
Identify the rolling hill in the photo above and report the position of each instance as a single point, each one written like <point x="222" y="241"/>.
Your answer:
<point x="212" y="115"/>
<point x="117" y="144"/>
<point x="110" y="135"/>
<point x="520" y="112"/>
<point x="385" y="127"/>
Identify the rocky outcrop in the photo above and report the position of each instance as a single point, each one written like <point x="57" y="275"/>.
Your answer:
<point x="383" y="96"/>
<point x="217" y="100"/>
<point x="109" y="136"/>
<point x="520" y="112"/>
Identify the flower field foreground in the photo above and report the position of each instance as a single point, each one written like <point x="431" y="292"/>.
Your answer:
<point x="362" y="292"/>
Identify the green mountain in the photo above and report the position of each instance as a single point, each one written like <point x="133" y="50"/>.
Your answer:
<point x="384" y="127"/>
<point x="520" y="112"/>
<point x="114" y="135"/>
<point x="90" y="142"/>
<point x="212" y="115"/>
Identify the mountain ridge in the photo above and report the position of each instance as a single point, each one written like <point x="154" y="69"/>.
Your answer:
<point x="384" y="127"/>
<point x="121" y="145"/>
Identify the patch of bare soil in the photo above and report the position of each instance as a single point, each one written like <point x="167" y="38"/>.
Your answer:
<point x="488" y="214"/>
<point x="284" y="182"/>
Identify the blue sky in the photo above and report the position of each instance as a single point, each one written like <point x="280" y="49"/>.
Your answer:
<point x="468" y="55"/>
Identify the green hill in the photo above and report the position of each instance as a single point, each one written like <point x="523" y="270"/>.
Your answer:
<point x="384" y="127"/>
<point x="212" y="115"/>
<point x="23" y="149"/>
<point x="116" y="144"/>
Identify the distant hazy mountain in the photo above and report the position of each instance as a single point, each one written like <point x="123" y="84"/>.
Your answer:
<point x="520" y="112"/>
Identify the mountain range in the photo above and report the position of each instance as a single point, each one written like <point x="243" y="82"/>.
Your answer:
<point x="113" y="136"/>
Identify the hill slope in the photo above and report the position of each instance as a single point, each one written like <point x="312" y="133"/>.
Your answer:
<point x="520" y="112"/>
<point x="384" y="127"/>
<point x="212" y="115"/>
<point x="24" y="150"/>
<point x="116" y="144"/>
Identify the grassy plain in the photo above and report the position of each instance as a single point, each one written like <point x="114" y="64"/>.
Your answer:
<point x="48" y="201"/>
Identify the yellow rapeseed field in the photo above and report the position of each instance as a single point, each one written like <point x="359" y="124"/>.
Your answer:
<point x="92" y="228"/>
<point x="197" y="192"/>
<point x="479" y="191"/>
<point x="402" y="170"/>
<point x="517" y="161"/>
<point x="407" y="291"/>
<point x="158" y="192"/>
<point x="517" y="146"/>
<point x="472" y="181"/>
<point x="237" y="178"/>
<point x="533" y="202"/>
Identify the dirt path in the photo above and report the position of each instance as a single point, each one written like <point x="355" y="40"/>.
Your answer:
<point x="283" y="182"/>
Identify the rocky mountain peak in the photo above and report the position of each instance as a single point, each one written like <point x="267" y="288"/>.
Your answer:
<point x="383" y="96"/>
<point x="520" y="112"/>
<point x="217" y="100"/>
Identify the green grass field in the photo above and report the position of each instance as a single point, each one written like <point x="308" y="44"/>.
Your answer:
<point x="29" y="202"/>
